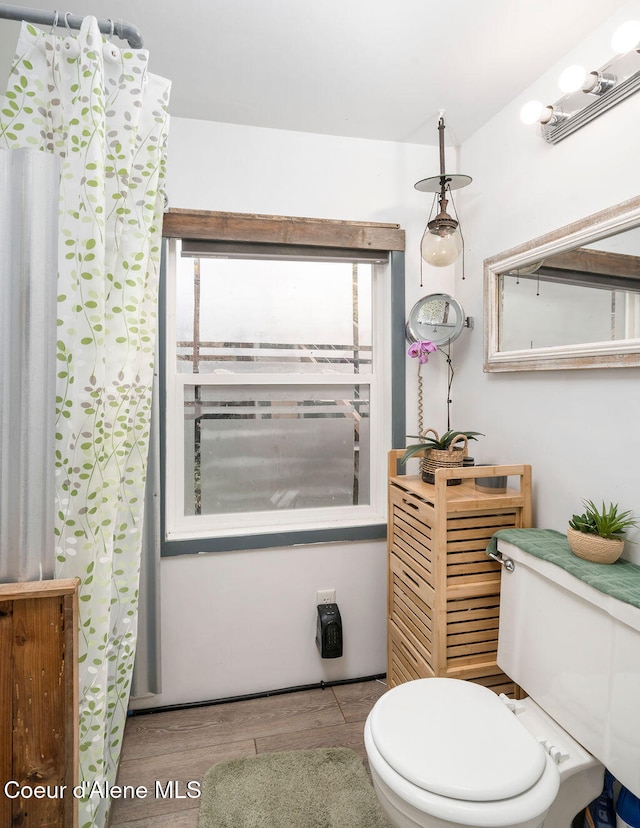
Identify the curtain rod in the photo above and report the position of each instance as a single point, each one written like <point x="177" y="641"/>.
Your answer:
<point x="125" y="31"/>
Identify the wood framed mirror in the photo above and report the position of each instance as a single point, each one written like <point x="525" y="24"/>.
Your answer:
<point x="569" y="299"/>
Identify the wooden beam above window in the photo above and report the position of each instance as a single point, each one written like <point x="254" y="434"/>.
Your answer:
<point x="283" y="230"/>
<point x="600" y="262"/>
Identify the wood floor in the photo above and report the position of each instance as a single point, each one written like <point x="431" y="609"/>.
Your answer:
<point x="182" y="745"/>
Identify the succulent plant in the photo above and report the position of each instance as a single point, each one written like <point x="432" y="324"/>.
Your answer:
<point x="607" y="522"/>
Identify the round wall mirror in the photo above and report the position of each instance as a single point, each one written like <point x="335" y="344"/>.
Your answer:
<point x="437" y="317"/>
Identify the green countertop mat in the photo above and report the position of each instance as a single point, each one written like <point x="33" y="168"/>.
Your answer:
<point x="621" y="579"/>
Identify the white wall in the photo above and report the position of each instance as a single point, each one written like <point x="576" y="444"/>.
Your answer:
<point x="578" y="429"/>
<point x="243" y="622"/>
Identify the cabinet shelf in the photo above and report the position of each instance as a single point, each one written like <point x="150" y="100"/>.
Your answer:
<point x="443" y="590"/>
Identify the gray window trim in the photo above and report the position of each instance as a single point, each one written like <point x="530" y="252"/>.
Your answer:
<point x="308" y="536"/>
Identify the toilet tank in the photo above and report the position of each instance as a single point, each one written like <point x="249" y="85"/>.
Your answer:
<point x="576" y="652"/>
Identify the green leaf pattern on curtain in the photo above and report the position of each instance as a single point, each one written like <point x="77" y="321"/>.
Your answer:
<point x="100" y="110"/>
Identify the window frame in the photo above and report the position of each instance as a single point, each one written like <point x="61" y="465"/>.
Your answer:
<point x="281" y="236"/>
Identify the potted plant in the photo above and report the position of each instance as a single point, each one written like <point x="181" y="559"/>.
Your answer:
<point x="447" y="451"/>
<point x="596" y="534"/>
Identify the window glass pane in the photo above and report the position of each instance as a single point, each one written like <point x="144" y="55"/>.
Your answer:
<point x="256" y="448"/>
<point x="259" y="315"/>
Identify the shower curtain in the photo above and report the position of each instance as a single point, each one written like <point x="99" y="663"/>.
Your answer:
<point x="98" y="109"/>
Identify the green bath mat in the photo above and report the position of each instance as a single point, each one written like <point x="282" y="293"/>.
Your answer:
<point x="324" y="788"/>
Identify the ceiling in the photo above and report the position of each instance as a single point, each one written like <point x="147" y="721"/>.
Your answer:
<point x="380" y="69"/>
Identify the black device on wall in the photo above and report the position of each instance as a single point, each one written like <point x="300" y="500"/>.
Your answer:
<point x="329" y="631"/>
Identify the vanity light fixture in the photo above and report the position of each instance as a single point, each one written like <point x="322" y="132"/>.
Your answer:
<point x="442" y="240"/>
<point x="576" y="78"/>
<point x="534" y="112"/>
<point x="588" y="94"/>
<point x="626" y="37"/>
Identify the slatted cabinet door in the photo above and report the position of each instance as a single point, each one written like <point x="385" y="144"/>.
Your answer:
<point x="443" y="590"/>
<point x="411" y="594"/>
<point x="38" y="702"/>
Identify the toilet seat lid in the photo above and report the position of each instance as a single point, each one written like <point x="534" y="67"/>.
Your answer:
<point x="455" y="739"/>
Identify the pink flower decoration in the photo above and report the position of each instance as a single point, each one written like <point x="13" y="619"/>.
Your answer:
<point x="421" y="349"/>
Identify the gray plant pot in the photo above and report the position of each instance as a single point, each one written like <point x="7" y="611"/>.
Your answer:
<point x="491" y="485"/>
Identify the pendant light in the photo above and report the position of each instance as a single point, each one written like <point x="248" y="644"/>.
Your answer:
<point x="442" y="240"/>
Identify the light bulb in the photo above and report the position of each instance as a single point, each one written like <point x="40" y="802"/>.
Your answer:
<point x="531" y="112"/>
<point x="441" y="248"/>
<point x="535" y="112"/>
<point x="626" y="37"/>
<point x="572" y="79"/>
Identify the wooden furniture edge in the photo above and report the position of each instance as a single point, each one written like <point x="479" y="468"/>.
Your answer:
<point x="23" y="590"/>
<point x="503" y="470"/>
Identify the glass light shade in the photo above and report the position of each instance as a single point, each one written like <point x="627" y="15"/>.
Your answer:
<point x="626" y="37"/>
<point x="441" y="249"/>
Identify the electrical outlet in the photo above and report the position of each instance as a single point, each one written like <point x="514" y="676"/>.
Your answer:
<point x="326" y="596"/>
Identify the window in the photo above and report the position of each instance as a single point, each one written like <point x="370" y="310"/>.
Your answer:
<point x="278" y="396"/>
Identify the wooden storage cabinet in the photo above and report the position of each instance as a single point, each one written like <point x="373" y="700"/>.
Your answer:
<point x="444" y="592"/>
<point x="39" y="702"/>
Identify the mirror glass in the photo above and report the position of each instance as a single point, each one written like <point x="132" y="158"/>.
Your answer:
<point x="568" y="300"/>
<point x="438" y="318"/>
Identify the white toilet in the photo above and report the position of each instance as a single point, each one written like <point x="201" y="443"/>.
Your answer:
<point x="447" y="753"/>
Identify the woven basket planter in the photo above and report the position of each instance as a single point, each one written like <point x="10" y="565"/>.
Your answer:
<point x="450" y="458"/>
<point x="593" y="547"/>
